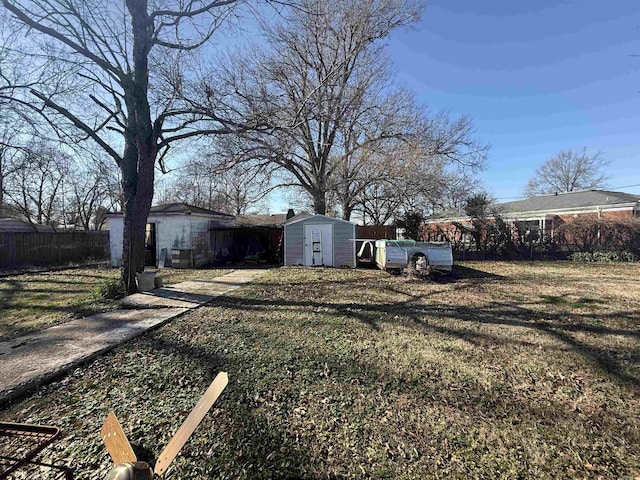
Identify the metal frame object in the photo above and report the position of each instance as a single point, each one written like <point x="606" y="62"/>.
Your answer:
<point x="20" y="444"/>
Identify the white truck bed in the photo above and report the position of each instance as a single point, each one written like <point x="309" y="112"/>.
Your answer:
<point x="396" y="254"/>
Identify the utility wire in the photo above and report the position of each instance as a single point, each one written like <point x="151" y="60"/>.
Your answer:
<point x="627" y="186"/>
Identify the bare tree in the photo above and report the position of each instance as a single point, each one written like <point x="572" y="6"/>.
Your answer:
<point x="92" y="188"/>
<point x="457" y="186"/>
<point x="324" y="69"/>
<point x="419" y="173"/>
<point x="337" y="117"/>
<point x="34" y="188"/>
<point x="408" y="184"/>
<point x="380" y="202"/>
<point x="10" y="150"/>
<point x="360" y="160"/>
<point x="243" y="191"/>
<point x="568" y="171"/>
<point x="130" y="57"/>
<point x="207" y="182"/>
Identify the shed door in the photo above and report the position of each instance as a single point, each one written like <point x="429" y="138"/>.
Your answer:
<point x="318" y="245"/>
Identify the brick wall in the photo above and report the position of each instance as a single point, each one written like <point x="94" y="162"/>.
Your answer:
<point x="617" y="215"/>
<point x="447" y="231"/>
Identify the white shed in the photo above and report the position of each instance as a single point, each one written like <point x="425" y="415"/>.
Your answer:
<point x="318" y="240"/>
<point x="174" y="227"/>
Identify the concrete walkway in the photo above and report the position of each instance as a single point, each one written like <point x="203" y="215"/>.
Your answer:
<point x="32" y="360"/>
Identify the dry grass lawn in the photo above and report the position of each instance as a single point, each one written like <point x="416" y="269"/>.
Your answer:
<point x="505" y="370"/>
<point x="33" y="301"/>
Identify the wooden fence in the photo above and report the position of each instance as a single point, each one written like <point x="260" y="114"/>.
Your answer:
<point x="19" y="249"/>
<point x="376" y="232"/>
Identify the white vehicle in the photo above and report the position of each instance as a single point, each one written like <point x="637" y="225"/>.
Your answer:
<point x="423" y="256"/>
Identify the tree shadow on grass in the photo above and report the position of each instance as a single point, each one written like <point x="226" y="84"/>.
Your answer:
<point x="275" y="448"/>
<point x="460" y="272"/>
<point x="552" y="324"/>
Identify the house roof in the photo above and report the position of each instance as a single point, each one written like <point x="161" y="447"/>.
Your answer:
<point x="261" y="220"/>
<point x="569" y="200"/>
<point x="185" y="209"/>
<point x="15" y="225"/>
<point x="180" y="209"/>
<point x="297" y="218"/>
<point x="555" y="203"/>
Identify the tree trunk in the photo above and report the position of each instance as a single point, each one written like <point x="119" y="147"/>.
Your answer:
<point x="1" y="191"/>
<point x="135" y="221"/>
<point x="138" y="191"/>
<point x="319" y="202"/>
<point x="140" y="150"/>
<point x="347" y="210"/>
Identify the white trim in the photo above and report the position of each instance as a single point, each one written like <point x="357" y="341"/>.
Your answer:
<point x="573" y="211"/>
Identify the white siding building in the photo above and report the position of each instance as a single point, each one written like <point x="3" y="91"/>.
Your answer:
<point x="171" y="228"/>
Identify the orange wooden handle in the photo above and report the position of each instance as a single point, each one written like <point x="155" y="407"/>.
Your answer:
<point x="191" y="423"/>
<point x="116" y="441"/>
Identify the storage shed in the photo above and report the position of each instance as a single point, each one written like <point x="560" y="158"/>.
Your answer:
<point x="318" y="240"/>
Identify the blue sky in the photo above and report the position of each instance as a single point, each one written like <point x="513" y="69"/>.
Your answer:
<point x="536" y="77"/>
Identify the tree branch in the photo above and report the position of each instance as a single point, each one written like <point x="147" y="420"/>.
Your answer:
<point x="79" y="124"/>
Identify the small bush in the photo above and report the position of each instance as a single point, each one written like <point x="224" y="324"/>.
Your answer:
<point x="603" y="257"/>
<point x="112" y="289"/>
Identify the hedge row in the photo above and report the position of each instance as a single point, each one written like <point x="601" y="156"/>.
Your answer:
<point x="603" y="257"/>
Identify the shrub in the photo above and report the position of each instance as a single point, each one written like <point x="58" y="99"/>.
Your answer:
<point x="607" y="235"/>
<point x="411" y="221"/>
<point x="111" y="289"/>
<point x="609" y="256"/>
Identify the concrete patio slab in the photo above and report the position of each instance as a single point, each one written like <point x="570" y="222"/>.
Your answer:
<point x="33" y="360"/>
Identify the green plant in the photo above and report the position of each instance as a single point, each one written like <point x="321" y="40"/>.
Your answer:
<point x="411" y="221"/>
<point x="111" y="289"/>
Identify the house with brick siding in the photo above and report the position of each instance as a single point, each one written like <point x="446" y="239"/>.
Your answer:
<point x="544" y="214"/>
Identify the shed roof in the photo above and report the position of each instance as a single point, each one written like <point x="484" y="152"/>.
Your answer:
<point x="297" y="218"/>
<point x="305" y="216"/>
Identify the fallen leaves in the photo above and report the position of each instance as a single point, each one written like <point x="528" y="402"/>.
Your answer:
<point x="358" y="374"/>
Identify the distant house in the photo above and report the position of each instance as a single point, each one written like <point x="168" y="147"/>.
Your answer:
<point x="183" y="235"/>
<point x="19" y="226"/>
<point x="177" y="234"/>
<point x="546" y="213"/>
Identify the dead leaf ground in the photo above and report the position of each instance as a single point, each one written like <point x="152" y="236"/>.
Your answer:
<point x="505" y="370"/>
